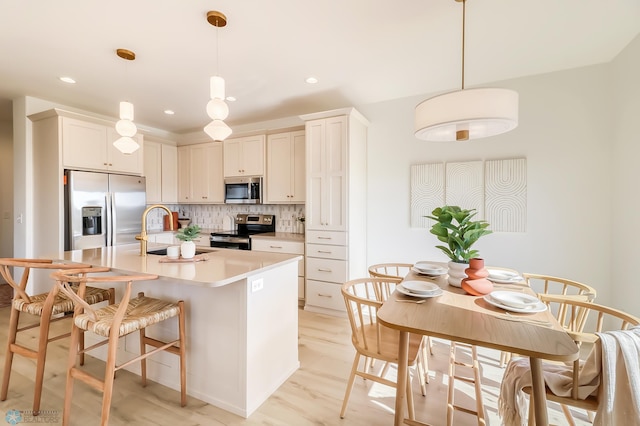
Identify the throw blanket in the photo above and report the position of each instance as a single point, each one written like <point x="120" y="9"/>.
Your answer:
<point x="620" y="397"/>
<point x="620" y="402"/>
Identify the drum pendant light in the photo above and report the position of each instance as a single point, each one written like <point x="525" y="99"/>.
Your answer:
<point x="466" y="114"/>
<point x="217" y="109"/>
<point x="125" y="127"/>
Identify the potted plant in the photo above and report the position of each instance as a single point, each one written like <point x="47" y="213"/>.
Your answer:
<point x="455" y="227"/>
<point x="187" y="235"/>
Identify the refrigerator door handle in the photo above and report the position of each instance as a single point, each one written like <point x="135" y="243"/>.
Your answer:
<point x="110" y="218"/>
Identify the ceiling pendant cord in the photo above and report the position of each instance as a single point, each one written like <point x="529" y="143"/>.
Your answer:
<point x="466" y="114"/>
<point x="463" y="134"/>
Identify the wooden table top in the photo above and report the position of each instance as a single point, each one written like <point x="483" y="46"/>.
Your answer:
<point x="470" y="319"/>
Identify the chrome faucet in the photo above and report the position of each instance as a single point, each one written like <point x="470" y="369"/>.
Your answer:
<point x="143" y="233"/>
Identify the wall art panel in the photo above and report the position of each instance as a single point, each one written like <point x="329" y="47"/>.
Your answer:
<point x="506" y="194"/>
<point x="465" y="186"/>
<point x="427" y="192"/>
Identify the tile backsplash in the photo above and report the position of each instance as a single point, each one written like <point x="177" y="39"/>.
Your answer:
<point x="212" y="216"/>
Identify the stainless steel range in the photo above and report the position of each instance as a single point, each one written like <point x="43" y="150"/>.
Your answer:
<point x="246" y="225"/>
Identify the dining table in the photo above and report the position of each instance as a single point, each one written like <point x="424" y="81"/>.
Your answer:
<point x="458" y="316"/>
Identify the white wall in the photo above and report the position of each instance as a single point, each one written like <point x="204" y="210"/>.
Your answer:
<point x="6" y="189"/>
<point x="564" y="133"/>
<point x="623" y="213"/>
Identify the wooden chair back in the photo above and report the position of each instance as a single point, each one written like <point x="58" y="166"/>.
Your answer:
<point x="390" y="270"/>
<point x="582" y="321"/>
<point x="547" y="284"/>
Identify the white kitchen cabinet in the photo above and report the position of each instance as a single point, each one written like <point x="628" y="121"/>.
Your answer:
<point x="244" y="156"/>
<point x="285" y="177"/>
<point x="275" y="245"/>
<point x="161" y="172"/>
<point x="200" y="178"/>
<point x="335" y="210"/>
<point x="88" y="145"/>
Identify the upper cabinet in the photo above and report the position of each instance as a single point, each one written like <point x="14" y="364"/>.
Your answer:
<point x="200" y="178"/>
<point x="89" y="145"/>
<point x="161" y="172"/>
<point x="285" y="178"/>
<point x="244" y="156"/>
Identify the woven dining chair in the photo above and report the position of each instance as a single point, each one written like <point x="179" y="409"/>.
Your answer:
<point x="401" y="270"/>
<point x="550" y="285"/>
<point x="48" y="307"/>
<point x="582" y="320"/>
<point x="363" y="297"/>
<point x="113" y="322"/>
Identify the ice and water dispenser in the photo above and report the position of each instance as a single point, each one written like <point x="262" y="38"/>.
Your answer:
<point x="91" y="220"/>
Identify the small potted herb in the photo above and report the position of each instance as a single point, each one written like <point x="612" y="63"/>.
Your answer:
<point x="187" y="235"/>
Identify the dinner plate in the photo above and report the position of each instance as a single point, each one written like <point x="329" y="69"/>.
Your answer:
<point x="429" y="268"/>
<point x="503" y="277"/>
<point x="406" y="292"/>
<point x="539" y="307"/>
<point x="420" y="287"/>
<point x="430" y="273"/>
<point x="515" y="299"/>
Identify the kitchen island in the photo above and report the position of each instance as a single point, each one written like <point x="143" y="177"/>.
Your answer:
<point x="242" y="321"/>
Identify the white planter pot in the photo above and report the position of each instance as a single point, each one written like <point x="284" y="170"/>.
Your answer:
<point x="188" y="249"/>
<point x="456" y="273"/>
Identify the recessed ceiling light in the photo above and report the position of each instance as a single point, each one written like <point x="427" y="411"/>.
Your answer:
<point x="311" y="80"/>
<point x="67" y="80"/>
<point x="169" y="112"/>
<point x="231" y="98"/>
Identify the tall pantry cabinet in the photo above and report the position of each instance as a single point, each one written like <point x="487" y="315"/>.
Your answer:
<point x="336" y="164"/>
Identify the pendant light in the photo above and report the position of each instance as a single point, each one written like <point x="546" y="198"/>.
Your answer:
<point x="467" y="113"/>
<point x="125" y="127"/>
<point x="217" y="109"/>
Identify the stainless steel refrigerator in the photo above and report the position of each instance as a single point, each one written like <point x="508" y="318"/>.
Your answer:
<point x="102" y="209"/>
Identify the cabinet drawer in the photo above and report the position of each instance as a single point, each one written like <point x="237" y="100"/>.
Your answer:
<point x="324" y="295"/>
<point x="203" y="241"/>
<point x="277" y="246"/>
<point x="327" y="270"/>
<point x="326" y="237"/>
<point x="326" y="251"/>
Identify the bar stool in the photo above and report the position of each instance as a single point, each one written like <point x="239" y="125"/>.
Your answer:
<point x="113" y="322"/>
<point x="45" y="306"/>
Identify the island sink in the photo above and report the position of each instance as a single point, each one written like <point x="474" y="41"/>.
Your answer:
<point x="163" y="251"/>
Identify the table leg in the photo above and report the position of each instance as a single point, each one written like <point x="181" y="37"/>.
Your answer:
<point x="401" y="386"/>
<point x="538" y="392"/>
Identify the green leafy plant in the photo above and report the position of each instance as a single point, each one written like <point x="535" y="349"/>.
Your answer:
<point x="455" y="227"/>
<point x="188" y="233"/>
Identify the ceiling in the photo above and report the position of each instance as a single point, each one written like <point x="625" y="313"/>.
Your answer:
<point x="361" y="51"/>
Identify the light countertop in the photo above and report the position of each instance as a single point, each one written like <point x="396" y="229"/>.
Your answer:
<point x="222" y="266"/>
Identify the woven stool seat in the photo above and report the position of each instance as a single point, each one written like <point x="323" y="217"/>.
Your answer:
<point x="141" y="312"/>
<point x="61" y="303"/>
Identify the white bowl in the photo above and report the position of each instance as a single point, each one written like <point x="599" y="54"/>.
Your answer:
<point x="420" y="287"/>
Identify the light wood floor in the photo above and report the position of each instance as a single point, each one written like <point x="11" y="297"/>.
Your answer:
<point x="312" y="396"/>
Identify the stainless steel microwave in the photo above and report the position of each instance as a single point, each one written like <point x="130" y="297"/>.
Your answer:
<point x="243" y="190"/>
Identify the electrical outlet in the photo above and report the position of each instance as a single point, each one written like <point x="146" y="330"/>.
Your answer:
<point x="257" y="285"/>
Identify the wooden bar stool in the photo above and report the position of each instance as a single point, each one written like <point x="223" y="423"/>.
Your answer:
<point x="113" y="322"/>
<point x="45" y="306"/>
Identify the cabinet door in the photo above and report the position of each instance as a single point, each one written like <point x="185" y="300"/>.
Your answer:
<point x="184" y="175"/>
<point x="84" y="144"/>
<point x="232" y="154"/>
<point x="205" y="175"/>
<point x="326" y="174"/>
<point x="214" y="175"/>
<point x="244" y="156"/>
<point x="169" y="173"/>
<point x="153" y="172"/>
<point x="252" y="160"/>
<point x="279" y="163"/>
<point x="298" y="175"/>
<point x="125" y="163"/>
